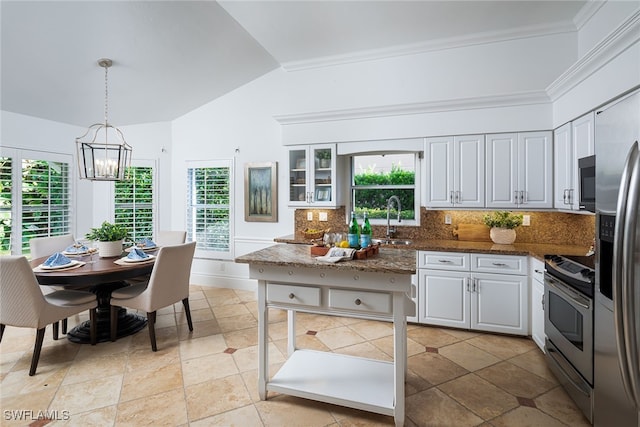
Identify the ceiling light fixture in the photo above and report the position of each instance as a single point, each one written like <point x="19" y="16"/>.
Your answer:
<point x="104" y="155"/>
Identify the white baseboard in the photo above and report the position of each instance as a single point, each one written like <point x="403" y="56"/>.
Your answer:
<point x="224" y="282"/>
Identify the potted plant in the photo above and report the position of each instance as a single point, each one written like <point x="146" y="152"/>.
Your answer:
<point x="503" y="224"/>
<point x="109" y="238"/>
<point x="324" y="157"/>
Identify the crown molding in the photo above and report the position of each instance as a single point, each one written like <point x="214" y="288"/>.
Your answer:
<point x="586" y="13"/>
<point x="619" y="40"/>
<point x="497" y="101"/>
<point x="430" y="46"/>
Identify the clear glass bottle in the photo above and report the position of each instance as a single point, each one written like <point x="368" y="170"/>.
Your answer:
<point x="365" y="234"/>
<point x="354" y="232"/>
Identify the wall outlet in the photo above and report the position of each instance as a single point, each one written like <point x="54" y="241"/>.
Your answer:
<point x="309" y="216"/>
<point x="447" y="219"/>
<point x="526" y="220"/>
<point x="322" y="216"/>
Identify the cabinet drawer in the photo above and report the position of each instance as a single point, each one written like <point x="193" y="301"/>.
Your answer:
<point x="508" y="264"/>
<point x="291" y="294"/>
<point x="377" y="302"/>
<point x="443" y="260"/>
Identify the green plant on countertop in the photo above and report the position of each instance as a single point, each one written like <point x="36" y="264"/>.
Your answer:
<point x="107" y="232"/>
<point x="503" y="219"/>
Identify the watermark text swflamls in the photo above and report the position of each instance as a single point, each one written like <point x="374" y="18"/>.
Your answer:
<point x="30" y="415"/>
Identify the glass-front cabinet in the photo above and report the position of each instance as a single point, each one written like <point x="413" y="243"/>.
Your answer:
<point x="312" y="176"/>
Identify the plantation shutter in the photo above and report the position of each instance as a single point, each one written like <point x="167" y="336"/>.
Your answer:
<point x="209" y="208"/>
<point x="46" y="207"/>
<point x="134" y="202"/>
<point x="6" y="204"/>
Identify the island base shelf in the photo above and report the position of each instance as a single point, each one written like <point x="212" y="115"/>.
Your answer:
<point x="340" y="379"/>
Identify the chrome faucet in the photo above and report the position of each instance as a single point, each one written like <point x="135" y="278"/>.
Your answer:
<point x="392" y="230"/>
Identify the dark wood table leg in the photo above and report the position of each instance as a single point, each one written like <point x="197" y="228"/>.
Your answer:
<point x="128" y="323"/>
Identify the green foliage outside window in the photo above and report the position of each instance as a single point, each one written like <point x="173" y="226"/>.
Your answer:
<point x="374" y="200"/>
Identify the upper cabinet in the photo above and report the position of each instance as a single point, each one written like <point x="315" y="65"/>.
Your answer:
<point x="572" y="141"/>
<point x="312" y="176"/>
<point x="455" y="169"/>
<point x="519" y="170"/>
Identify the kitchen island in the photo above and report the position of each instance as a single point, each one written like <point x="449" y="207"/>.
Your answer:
<point x="377" y="288"/>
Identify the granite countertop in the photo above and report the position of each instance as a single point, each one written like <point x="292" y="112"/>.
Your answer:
<point x="388" y="260"/>
<point x="537" y="250"/>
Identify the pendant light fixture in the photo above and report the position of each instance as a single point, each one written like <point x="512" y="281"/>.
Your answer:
<point x="103" y="153"/>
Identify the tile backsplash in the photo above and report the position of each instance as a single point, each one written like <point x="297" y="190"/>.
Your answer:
<point x="546" y="227"/>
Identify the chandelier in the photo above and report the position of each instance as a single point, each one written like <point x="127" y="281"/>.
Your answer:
<point x="103" y="153"/>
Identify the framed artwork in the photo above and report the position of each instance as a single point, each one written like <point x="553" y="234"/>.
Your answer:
<point x="323" y="194"/>
<point x="261" y="192"/>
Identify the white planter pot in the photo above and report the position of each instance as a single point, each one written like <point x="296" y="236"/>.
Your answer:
<point x="502" y="236"/>
<point x="109" y="249"/>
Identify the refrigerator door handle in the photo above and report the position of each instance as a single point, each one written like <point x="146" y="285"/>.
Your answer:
<point x="626" y="233"/>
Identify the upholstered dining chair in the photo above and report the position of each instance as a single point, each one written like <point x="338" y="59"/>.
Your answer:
<point x="170" y="237"/>
<point x="168" y="284"/>
<point x="23" y="304"/>
<point x="45" y="246"/>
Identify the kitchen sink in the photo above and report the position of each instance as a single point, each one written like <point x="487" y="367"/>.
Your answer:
<point x="396" y="242"/>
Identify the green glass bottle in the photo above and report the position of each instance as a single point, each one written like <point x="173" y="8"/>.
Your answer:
<point x="365" y="235"/>
<point x="354" y="232"/>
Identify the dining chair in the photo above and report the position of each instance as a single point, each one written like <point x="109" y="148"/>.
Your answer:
<point x="45" y="246"/>
<point x="168" y="284"/>
<point x="22" y="303"/>
<point x="170" y="237"/>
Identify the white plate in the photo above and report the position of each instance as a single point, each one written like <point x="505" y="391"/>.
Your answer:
<point x="57" y="267"/>
<point x="75" y="253"/>
<point x="125" y="259"/>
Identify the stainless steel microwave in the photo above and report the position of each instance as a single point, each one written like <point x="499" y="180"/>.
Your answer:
<point x="587" y="178"/>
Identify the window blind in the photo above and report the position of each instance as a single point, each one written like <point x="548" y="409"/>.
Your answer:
<point x="6" y="204"/>
<point x="133" y="202"/>
<point x="209" y="209"/>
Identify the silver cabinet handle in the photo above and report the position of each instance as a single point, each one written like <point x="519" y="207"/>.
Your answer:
<point x="291" y="296"/>
<point x="357" y="301"/>
<point x="525" y="199"/>
<point x="542" y="302"/>
<point x="451" y="197"/>
<point x="458" y="198"/>
<point x="475" y="285"/>
<point x="499" y="264"/>
<point x="466" y="280"/>
<point x="444" y="261"/>
<point x="515" y="197"/>
<point x="565" y="196"/>
<point x="538" y="271"/>
<point x="570" y="196"/>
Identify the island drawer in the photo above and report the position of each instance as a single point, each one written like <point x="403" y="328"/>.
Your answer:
<point x="292" y="294"/>
<point x="507" y="264"/>
<point x="443" y="260"/>
<point x="374" y="302"/>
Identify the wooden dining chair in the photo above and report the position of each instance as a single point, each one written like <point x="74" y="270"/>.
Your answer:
<point x="45" y="246"/>
<point x="170" y="237"/>
<point x="22" y="303"/>
<point x="168" y="284"/>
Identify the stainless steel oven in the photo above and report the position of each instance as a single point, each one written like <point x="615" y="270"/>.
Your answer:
<point x="568" y="325"/>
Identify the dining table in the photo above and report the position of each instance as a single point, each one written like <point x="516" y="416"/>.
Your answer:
<point x="100" y="276"/>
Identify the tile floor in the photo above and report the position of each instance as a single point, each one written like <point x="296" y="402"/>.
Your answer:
<point x="208" y="377"/>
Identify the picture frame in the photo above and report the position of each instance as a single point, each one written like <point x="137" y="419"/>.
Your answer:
<point x="261" y="192"/>
<point x="323" y="194"/>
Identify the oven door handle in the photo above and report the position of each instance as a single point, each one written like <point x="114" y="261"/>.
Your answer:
<point x="566" y="370"/>
<point x="567" y="292"/>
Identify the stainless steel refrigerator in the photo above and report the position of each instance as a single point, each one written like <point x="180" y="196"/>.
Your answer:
<point x="617" y="308"/>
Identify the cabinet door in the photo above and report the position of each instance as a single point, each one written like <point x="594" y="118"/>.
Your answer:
<point x="468" y="169"/>
<point x="535" y="178"/>
<point x="501" y="170"/>
<point x="443" y="298"/>
<point x="322" y="167"/>
<point x="499" y="303"/>
<point x="298" y="177"/>
<point x="563" y="166"/>
<point x="439" y="172"/>
<point x="583" y="146"/>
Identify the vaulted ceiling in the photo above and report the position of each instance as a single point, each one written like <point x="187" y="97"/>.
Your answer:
<point x="171" y="57"/>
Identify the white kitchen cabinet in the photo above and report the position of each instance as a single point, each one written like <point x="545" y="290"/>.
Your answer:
<point x="455" y="171"/>
<point x="474" y="291"/>
<point x="563" y="168"/>
<point x="537" y="302"/>
<point x="571" y="142"/>
<point x="312" y="176"/>
<point x="519" y="170"/>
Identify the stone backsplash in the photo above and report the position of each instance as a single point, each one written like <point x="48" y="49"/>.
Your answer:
<point x="546" y="227"/>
